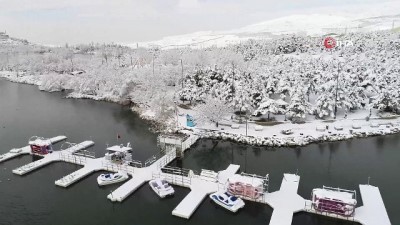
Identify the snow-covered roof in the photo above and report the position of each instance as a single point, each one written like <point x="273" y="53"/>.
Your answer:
<point x="346" y="197"/>
<point x="40" y="142"/>
<point x="281" y="102"/>
<point x="119" y="148"/>
<point x="254" y="181"/>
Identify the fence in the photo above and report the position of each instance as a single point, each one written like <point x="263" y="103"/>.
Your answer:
<point x="72" y="158"/>
<point x="167" y="158"/>
<point x="174" y="175"/>
<point x="117" y="167"/>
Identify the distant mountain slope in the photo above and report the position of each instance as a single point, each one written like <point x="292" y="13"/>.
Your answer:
<point x="7" y="40"/>
<point x="371" y="17"/>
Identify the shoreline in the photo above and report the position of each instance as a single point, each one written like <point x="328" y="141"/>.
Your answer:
<point x="275" y="140"/>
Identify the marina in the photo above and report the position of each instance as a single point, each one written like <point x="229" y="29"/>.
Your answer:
<point x="227" y="185"/>
<point x="54" y="202"/>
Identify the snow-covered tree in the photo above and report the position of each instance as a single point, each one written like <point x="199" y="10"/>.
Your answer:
<point x="213" y="109"/>
<point x="298" y="107"/>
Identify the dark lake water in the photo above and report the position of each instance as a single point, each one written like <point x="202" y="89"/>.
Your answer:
<point x="34" y="199"/>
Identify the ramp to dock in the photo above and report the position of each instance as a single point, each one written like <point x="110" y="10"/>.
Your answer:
<point x="373" y="210"/>
<point x="121" y="193"/>
<point x="26" y="150"/>
<point x="286" y="201"/>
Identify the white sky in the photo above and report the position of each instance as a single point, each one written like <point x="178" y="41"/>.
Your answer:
<point x="128" y="21"/>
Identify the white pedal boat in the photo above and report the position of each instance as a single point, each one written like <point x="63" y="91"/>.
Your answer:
<point x="112" y="178"/>
<point x="229" y="202"/>
<point x="161" y="187"/>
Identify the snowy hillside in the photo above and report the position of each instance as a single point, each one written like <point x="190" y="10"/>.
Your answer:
<point x="359" y="18"/>
<point x="6" y="40"/>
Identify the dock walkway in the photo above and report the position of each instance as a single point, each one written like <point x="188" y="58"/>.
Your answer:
<point x="373" y="210"/>
<point x="49" y="158"/>
<point x="201" y="188"/>
<point x="286" y="201"/>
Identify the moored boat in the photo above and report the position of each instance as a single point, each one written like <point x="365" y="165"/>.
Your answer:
<point x="227" y="201"/>
<point x="112" y="178"/>
<point x="161" y="187"/>
<point x="334" y="200"/>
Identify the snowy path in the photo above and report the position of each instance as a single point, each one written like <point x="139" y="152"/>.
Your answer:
<point x="311" y="131"/>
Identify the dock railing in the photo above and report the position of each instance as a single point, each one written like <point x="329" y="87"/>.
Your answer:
<point x="112" y="167"/>
<point x="166" y="159"/>
<point x="72" y="158"/>
<point x="175" y="175"/>
<point x="189" y="142"/>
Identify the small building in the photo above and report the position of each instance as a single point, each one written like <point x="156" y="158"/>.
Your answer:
<point x="40" y="146"/>
<point x="175" y="142"/>
<point x="119" y="154"/>
<point x="334" y="200"/>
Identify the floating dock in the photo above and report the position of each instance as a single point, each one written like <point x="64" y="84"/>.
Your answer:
<point x="74" y="177"/>
<point x="26" y="150"/>
<point x="201" y="188"/>
<point x="373" y="210"/>
<point x="49" y="158"/>
<point x="286" y="201"/>
<point x="121" y="193"/>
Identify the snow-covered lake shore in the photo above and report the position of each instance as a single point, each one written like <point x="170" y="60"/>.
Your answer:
<point x="271" y="135"/>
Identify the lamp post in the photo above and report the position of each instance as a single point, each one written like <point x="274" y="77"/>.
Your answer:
<point x="337" y="86"/>
<point x="176" y="113"/>
<point x="246" y="123"/>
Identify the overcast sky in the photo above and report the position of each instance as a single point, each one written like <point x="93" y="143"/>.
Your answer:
<point x="129" y="21"/>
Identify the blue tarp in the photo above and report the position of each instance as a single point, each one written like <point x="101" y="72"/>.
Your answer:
<point x="190" y="121"/>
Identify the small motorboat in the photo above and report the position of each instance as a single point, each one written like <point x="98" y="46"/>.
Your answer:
<point x="112" y="178"/>
<point x="161" y="187"/>
<point x="229" y="202"/>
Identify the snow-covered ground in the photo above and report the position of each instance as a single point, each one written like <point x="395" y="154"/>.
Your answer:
<point x="354" y="126"/>
<point x="311" y="131"/>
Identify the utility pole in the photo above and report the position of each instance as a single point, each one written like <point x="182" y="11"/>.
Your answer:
<point x="246" y="124"/>
<point x="337" y="86"/>
<point x="182" y="72"/>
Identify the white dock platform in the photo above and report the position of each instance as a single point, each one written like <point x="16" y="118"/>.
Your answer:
<point x="74" y="177"/>
<point x="189" y="204"/>
<point x="225" y="174"/>
<point x="26" y="150"/>
<point x="33" y="165"/>
<point x="121" y="193"/>
<point x="201" y="188"/>
<point x="373" y="210"/>
<point x="286" y="201"/>
<point x="49" y="158"/>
